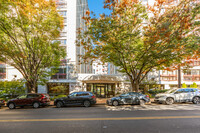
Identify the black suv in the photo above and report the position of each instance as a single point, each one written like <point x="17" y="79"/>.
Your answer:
<point x="76" y="98"/>
<point x="129" y="98"/>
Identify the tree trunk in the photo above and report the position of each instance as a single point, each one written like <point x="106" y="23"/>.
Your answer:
<point x="31" y="86"/>
<point x="179" y="76"/>
<point x="135" y="86"/>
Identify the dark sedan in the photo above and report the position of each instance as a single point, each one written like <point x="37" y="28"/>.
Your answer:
<point x="76" y="98"/>
<point x="129" y="98"/>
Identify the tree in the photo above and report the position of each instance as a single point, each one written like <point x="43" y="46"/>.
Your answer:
<point x="27" y="31"/>
<point x="138" y="39"/>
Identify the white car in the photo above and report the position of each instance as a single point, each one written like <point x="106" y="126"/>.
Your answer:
<point x="179" y="95"/>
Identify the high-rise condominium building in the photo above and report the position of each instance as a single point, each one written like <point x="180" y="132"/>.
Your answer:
<point x="72" y="12"/>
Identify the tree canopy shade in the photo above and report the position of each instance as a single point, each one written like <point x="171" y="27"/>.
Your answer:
<point x="139" y="38"/>
<point x="27" y="31"/>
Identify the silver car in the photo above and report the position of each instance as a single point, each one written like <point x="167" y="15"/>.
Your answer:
<point x="179" y="95"/>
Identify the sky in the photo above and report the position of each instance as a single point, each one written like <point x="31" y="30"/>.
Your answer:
<point x="97" y="7"/>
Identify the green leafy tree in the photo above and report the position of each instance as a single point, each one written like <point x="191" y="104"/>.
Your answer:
<point x="136" y="42"/>
<point x="27" y="31"/>
<point x="184" y="85"/>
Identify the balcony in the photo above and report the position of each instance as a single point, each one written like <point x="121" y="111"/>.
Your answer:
<point x="191" y="77"/>
<point x="61" y="6"/>
<point x="61" y="3"/>
<point x="168" y="77"/>
<point x="193" y="62"/>
<point x="58" y="76"/>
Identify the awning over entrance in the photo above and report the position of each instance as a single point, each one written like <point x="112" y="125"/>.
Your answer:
<point x="103" y="79"/>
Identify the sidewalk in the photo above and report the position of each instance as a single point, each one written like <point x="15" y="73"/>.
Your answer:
<point x="103" y="100"/>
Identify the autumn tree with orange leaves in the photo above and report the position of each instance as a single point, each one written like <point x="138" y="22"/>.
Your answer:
<point x="140" y="38"/>
<point x="27" y="31"/>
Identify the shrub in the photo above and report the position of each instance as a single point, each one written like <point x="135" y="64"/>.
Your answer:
<point x="194" y="85"/>
<point x="184" y="85"/>
<point x="11" y="89"/>
<point x="154" y="92"/>
<point x="59" y="96"/>
<point x="150" y="95"/>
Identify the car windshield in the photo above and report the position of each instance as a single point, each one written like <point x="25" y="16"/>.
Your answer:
<point x="171" y="91"/>
<point x="123" y="95"/>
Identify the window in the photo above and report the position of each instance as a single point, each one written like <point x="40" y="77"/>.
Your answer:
<point x="2" y="76"/>
<point x="73" y="94"/>
<point x="124" y="95"/>
<point x="187" y="90"/>
<point x="2" y="70"/>
<point x="32" y="96"/>
<point x="61" y="73"/>
<point x="133" y="93"/>
<point x="65" y="20"/>
<point x="179" y="91"/>
<point x="22" y="96"/>
<point x="63" y="42"/>
<point x="63" y="13"/>
<point x="84" y="94"/>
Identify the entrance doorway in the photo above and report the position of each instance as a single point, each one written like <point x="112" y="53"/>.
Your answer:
<point x="102" y="90"/>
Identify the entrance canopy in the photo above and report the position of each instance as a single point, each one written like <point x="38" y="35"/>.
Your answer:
<point x="103" y="79"/>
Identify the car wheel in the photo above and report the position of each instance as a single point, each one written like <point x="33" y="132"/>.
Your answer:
<point x="87" y="103"/>
<point x="59" y="104"/>
<point x="142" y="102"/>
<point x="169" y="101"/>
<point x="11" y="106"/>
<point x="115" y="103"/>
<point x="196" y="100"/>
<point x="36" y="105"/>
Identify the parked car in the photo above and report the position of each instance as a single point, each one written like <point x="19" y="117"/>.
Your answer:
<point x="36" y="100"/>
<point x="129" y="98"/>
<point x="179" y="95"/>
<point x="2" y="103"/>
<point x="76" y="98"/>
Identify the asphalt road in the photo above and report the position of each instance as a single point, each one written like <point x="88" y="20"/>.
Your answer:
<point x="102" y="119"/>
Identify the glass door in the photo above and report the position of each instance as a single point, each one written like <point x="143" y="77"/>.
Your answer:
<point x="100" y="91"/>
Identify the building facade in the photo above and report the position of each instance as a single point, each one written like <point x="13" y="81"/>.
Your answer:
<point x="72" y="11"/>
<point x="101" y="79"/>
